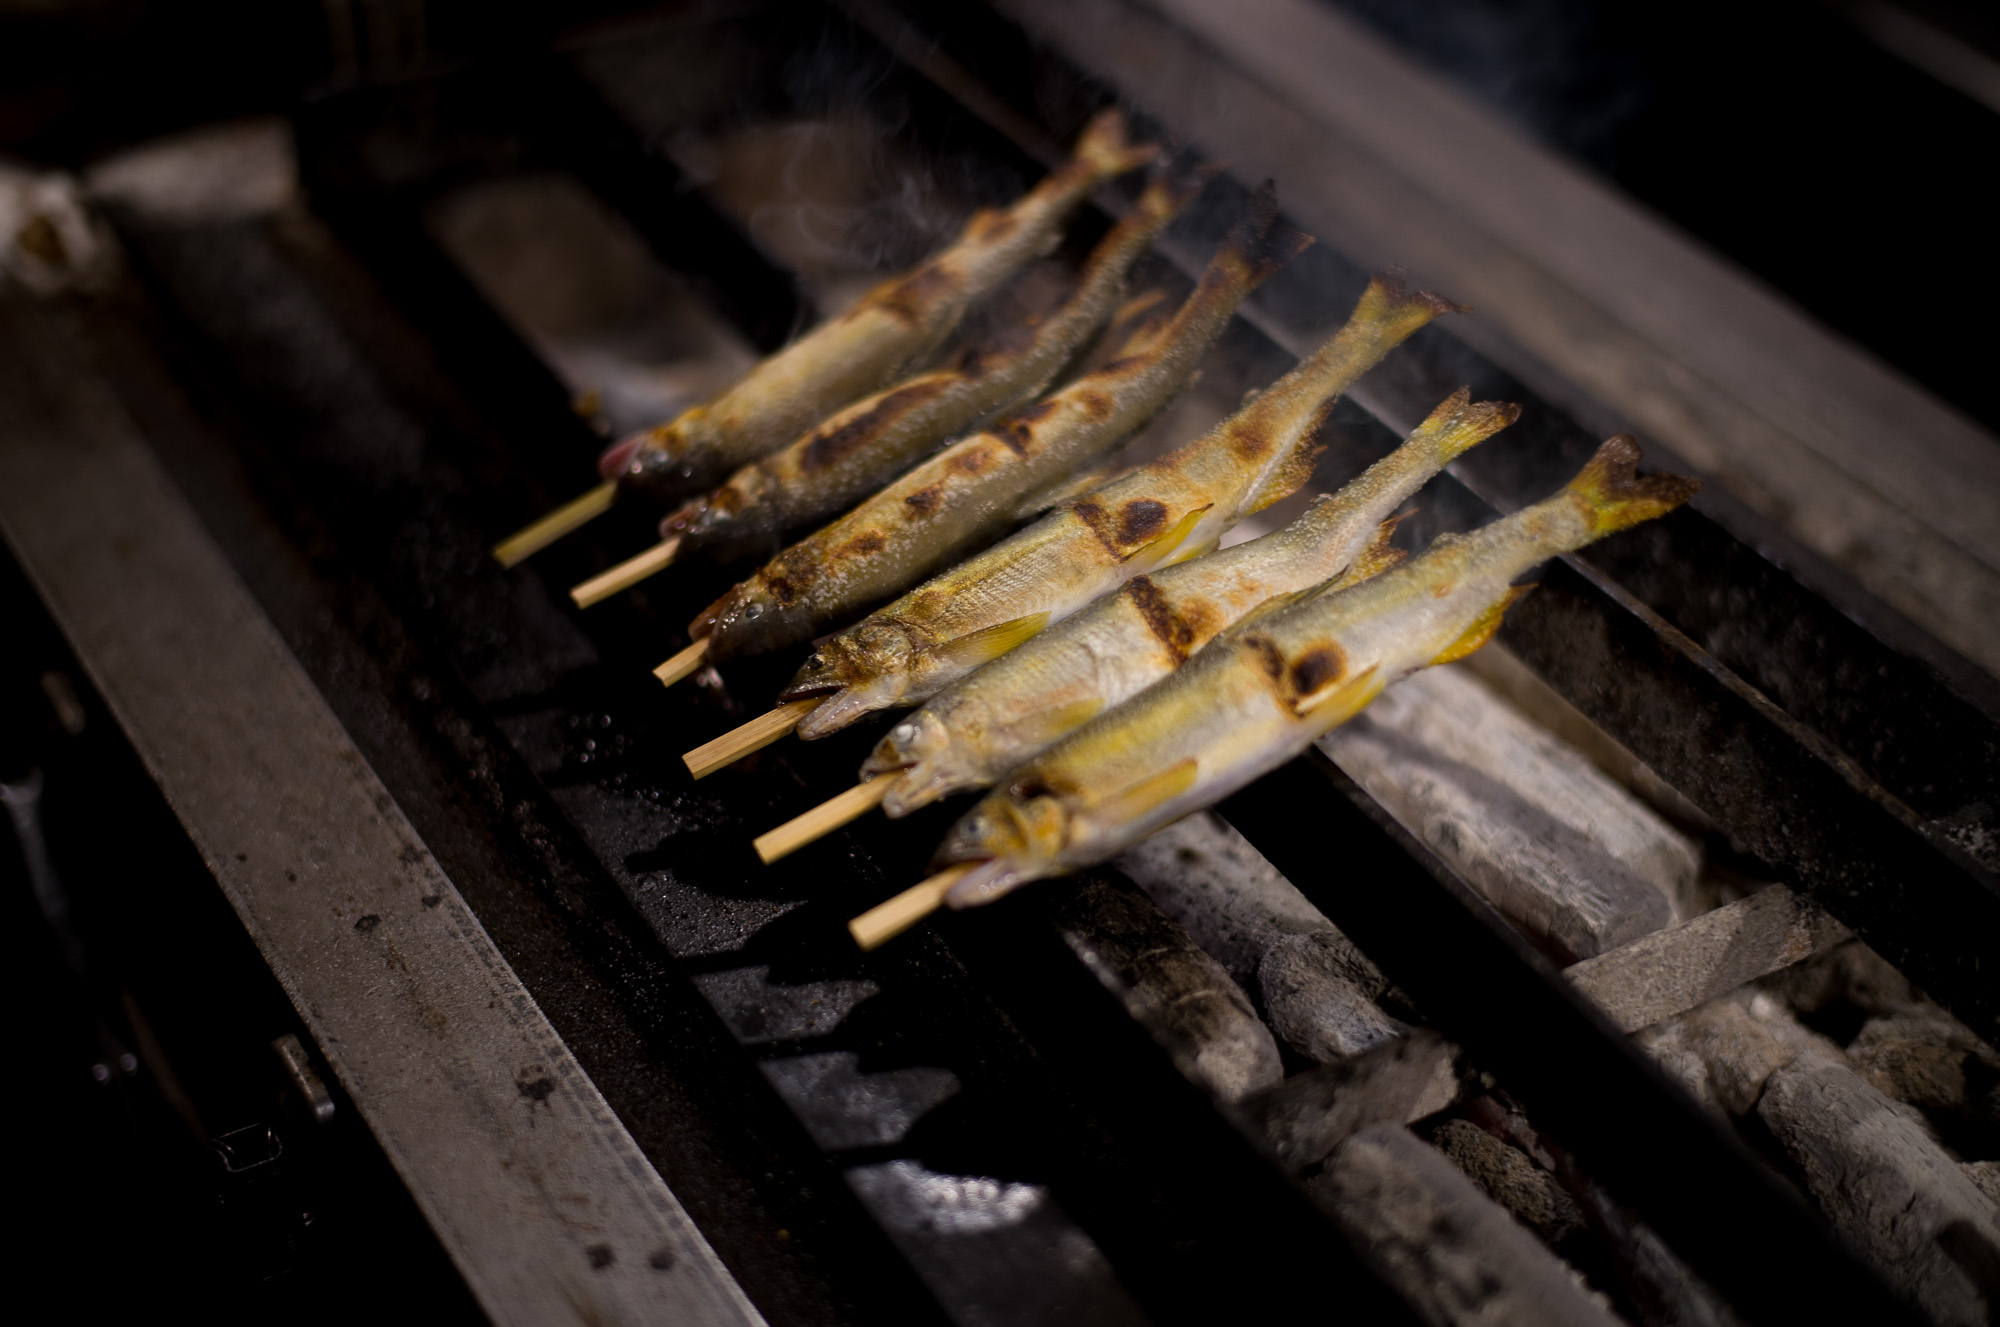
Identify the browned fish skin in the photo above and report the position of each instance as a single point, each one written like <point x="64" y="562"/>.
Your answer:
<point x="845" y="457"/>
<point x="968" y="492"/>
<point x="1271" y="685"/>
<point x="991" y="722"/>
<point x="1164" y="510"/>
<point x="856" y="353"/>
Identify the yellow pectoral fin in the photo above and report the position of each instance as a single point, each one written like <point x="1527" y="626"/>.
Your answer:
<point x="1482" y="628"/>
<point x="1057" y="721"/>
<point x="1191" y="552"/>
<point x="989" y="643"/>
<point x="1162" y="544"/>
<point x="1150" y="792"/>
<point x="1328" y="709"/>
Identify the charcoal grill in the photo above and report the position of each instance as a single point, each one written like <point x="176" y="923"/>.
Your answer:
<point x="970" y="1124"/>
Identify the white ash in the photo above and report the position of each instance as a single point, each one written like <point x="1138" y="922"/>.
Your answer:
<point x="1453" y="1253"/>
<point x="1558" y="847"/>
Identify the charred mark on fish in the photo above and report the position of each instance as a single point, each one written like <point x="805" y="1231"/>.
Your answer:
<point x="1160" y="618"/>
<point x="1318" y="667"/>
<point x="835" y="444"/>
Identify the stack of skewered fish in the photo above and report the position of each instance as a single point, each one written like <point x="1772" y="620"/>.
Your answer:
<point x="1103" y="671"/>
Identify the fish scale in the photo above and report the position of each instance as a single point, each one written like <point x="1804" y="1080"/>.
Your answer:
<point x="1267" y="688"/>
<point x="1167" y="509"/>
<point x="981" y="727"/>
<point x="970" y="491"/>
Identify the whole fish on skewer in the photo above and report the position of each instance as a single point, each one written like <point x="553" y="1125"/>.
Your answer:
<point x="845" y="357"/>
<point x="1266" y="689"/>
<point x="851" y="453"/>
<point x="970" y="491"/>
<point x="974" y="732"/>
<point x="1167" y="510"/>
<point x="856" y="352"/>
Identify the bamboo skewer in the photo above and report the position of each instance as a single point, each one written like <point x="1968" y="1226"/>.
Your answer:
<point x="886" y="921"/>
<point x="825" y="818"/>
<point x="626" y="574"/>
<point x="755" y="735"/>
<point x="682" y="664"/>
<point x="538" y="535"/>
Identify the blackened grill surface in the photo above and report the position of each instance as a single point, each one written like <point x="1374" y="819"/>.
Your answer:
<point x="395" y="456"/>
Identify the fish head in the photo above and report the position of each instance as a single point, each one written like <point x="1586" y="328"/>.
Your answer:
<point x="1012" y="838"/>
<point x="860" y="670"/>
<point x="750" y="619"/>
<point x="659" y="461"/>
<point x="922" y="749"/>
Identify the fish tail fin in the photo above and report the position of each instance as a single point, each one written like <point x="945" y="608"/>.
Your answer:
<point x="1105" y="147"/>
<point x="1177" y="182"/>
<point x="1459" y="423"/>
<point x="1396" y="313"/>
<point x="1615" y="495"/>
<point x="1259" y="244"/>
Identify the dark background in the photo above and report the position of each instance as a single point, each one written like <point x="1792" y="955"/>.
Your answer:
<point x="1780" y="132"/>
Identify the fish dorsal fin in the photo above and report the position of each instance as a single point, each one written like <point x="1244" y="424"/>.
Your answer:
<point x="1275" y="604"/>
<point x="1372" y="561"/>
<point x="989" y="643"/>
<point x="1148" y="793"/>
<point x="1046" y="726"/>
<point x="1160" y="545"/>
<point x="1482" y="628"/>
<point x="1067" y="489"/>
<point x="1335" y="704"/>
<point x="1290" y="475"/>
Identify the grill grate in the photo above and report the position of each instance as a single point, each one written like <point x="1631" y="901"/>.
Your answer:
<point x="392" y="423"/>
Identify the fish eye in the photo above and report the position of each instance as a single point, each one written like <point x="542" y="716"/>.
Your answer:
<point x="904" y="732"/>
<point x="816" y="661"/>
<point x="753" y="610"/>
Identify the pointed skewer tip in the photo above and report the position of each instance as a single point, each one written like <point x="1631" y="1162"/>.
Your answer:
<point x="538" y="535"/>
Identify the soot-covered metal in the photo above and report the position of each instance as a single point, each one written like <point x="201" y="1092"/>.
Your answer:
<point x="974" y="1124"/>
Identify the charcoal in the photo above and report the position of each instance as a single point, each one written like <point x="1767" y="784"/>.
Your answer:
<point x="1398" y="1082"/>
<point x="1315" y="1002"/>
<point x="1670" y="972"/>
<point x="1929" y="1059"/>
<point x="1551" y="841"/>
<point x="1170" y="982"/>
<point x="1453" y="1253"/>
<point x="1870" y="1161"/>
<point x="1510" y="1178"/>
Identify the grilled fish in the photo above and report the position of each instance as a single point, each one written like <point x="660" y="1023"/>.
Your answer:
<point x="1166" y="510"/>
<point x="1266" y="689"/>
<point x="888" y="328"/>
<point x="978" y="729"/>
<point x="851" y="453"/>
<point x="969" y="491"/>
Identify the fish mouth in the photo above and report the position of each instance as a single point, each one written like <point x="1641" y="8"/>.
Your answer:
<point x="922" y="783"/>
<point x="842" y="706"/>
<point x="616" y="459"/>
<point x="991" y="879"/>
